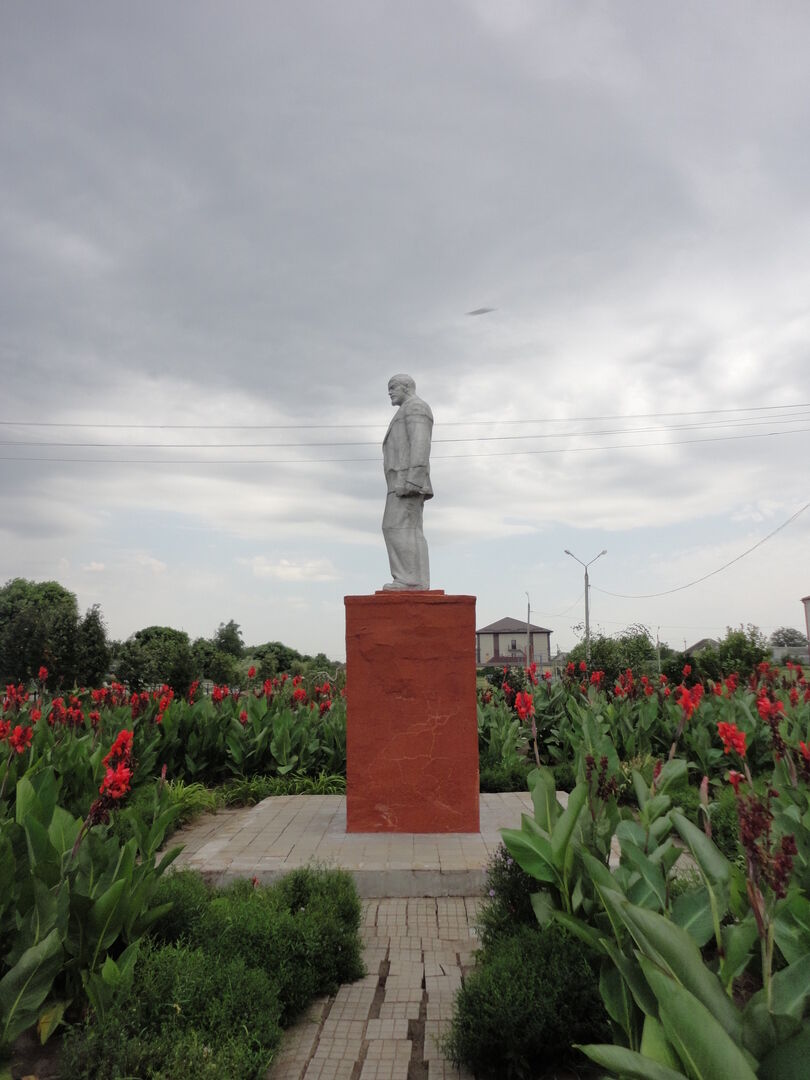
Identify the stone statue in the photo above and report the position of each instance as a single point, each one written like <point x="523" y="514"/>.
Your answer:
<point x="406" y="461"/>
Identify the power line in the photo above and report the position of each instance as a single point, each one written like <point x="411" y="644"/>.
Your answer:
<point x="738" y="422"/>
<point x="435" y="457"/>
<point x="445" y="423"/>
<point x="720" y="569"/>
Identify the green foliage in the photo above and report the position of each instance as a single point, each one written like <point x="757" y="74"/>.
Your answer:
<point x="184" y="1016"/>
<point x="219" y="973"/>
<point x="502" y="776"/>
<point x="189" y="898"/>
<point x="725" y="824"/>
<point x="525" y="1004"/>
<point x="787" y="637"/>
<point x="228" y="639"/>
<point x="632" y="648"/>
<point x="507" y="899"/>
<point x="741" y="650"/>
<point x="38" y="625"/>
<point x="305" y="931"/>
<point x="76" y="901"/>
<point x="156" y="655"/>
<point x="93" y="652"/>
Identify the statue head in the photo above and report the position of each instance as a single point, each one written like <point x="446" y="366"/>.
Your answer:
<point x="400" y="388"/>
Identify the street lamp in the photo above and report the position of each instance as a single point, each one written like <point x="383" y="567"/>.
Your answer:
<point x="587" y="605"/>
<point x="528" y="631"/>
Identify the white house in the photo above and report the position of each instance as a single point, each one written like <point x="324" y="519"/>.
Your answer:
<point x="503" y="643"/>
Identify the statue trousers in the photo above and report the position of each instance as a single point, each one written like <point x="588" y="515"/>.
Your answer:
<point x="405" y="541"/>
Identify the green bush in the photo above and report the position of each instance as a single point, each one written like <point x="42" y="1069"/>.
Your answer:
<point x="529" y="999"/>
<point x="304" y="931"/>
<point x="725" y="824"/>
<point x="505" y="776"/>
<point x="221" y="971"/>
<point x="565" y="776"/>
<point x="508" y="899"/>
<point x="180" y="1005"/>
<point x="189" y="896"/>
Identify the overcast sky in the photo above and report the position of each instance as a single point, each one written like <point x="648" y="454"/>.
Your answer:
<point x="224" y="226"/>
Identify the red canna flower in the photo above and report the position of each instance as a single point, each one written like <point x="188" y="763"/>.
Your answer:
<point x="687" y="670"/>
<point x="251" y="671"/>
<point x="735" y="779"/>
<point x="733" y="738"/>
<point x="524" y="705"/>
<point x="243" y="717"/>
<point x="120" y="749"/>
<point x="20" y="738"/>
<point x="117" y="781"/>
<point x="42" y="674"/>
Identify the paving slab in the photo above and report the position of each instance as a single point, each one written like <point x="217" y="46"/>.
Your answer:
<point x="284" y="832"/>
<point x="383" y="1027"/>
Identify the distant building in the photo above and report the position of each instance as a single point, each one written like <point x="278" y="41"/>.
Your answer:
<point x="701" y="646"/>
<point x="503" y="644"/>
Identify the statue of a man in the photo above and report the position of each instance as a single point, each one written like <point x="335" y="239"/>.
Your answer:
<point x="406" y="461"/>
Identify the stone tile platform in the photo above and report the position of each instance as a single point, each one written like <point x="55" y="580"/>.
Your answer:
<point x="275" y="836"/>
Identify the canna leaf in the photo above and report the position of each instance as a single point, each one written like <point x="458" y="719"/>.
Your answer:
<point x="629" y="1063"/>
<point x="566" y="823"/>
<point x="693" y="912"/>
<point x="532" y="853"/>
<point x="24" y="988"/>
<point x="544" y="797"/>
<point x="715" y="866"/>
<point x="655" y="1045"/>
<point x="702" y="1044"/>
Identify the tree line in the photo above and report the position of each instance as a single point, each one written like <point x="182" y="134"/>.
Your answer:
<point x="41" y="626"/>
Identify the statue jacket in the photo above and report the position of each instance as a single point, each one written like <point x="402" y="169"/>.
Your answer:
<point x="406" y="448"/>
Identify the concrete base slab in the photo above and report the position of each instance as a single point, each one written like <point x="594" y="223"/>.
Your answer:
<point x="281" y="833"/>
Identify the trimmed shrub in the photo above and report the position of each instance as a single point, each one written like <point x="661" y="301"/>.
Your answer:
<point x="520" y="1010"/>
<point x="189" y="896"/>
<point x="184" y="1017"/>
<point x="303" y="930"/>
<point x="508" y="899"/>
<point x="504" y="776"/>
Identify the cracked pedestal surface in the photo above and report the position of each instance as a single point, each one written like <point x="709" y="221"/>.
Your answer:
<point x="411" y="736"/>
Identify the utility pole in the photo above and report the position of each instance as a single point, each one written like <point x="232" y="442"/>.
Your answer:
<point x="528" y="631"/>
<point x="587" y="599"/>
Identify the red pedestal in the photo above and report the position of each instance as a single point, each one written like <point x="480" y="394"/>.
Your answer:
<point x="411" y="729"/>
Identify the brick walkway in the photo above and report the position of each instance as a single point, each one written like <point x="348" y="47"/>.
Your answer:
<point x="420" y="897"/>
<point x="386" y="1026"/>
<point x="277" y="835"/>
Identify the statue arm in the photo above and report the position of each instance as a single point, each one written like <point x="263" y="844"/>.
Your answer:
<point x="419" y="428"/>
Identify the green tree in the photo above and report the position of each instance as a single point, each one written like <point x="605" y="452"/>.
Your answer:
<point x="274" y="657"/>
<point x="224" y="668"/>
<point x="155" y="655"/>
<point x="742" y="649"/>
<point x="38" y="625"/>
<point x="787" y="638"/>
<point x="93" y="650"/>
<point x="202" y="654"/>
<point x="632" y="648"/>
<point x="228" y="639"/>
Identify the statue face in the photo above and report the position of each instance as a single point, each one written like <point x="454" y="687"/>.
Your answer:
<point x="397" y="393"/>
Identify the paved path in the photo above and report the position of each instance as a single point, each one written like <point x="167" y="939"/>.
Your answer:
<point x="287" y="831"/>
<point x="420" y="897"/>
<point x="386" y="1026"/>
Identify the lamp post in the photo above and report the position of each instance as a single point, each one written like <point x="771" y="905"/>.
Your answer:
<point x="528" y="631"/>
<point x="587" y="604"/>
